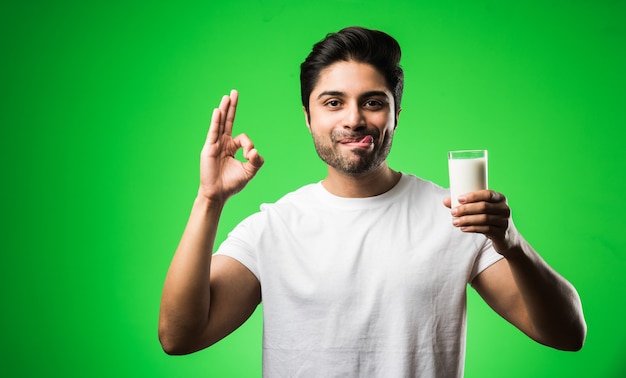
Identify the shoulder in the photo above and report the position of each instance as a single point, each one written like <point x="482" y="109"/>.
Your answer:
<point x="420" y="191"/>
<point x="294" y="199"/>
<point x="293" y="204"/>
<point x="299" y="194"/>
<point x="423" y="184"/>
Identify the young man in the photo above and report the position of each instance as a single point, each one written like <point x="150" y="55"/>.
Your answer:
<point x="364" y="273"/>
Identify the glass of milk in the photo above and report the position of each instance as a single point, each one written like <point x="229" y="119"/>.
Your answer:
<point x="468" y="172"/>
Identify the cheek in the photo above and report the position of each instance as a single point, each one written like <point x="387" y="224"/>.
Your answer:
<point x="323" y="120"/>
<point x="383" y="121"/>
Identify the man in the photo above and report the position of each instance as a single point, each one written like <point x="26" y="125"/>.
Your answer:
<point x="365" y="272"/>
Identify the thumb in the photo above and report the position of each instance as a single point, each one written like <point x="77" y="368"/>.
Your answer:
<point x="254" y="159"/>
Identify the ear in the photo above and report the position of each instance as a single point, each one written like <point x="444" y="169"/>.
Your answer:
<point x="397" y="117"/>
<point x="307" y="118"/>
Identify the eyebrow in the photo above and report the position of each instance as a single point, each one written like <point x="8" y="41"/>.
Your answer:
<point x="343" y="94"/>
<point x="331" y="93"/>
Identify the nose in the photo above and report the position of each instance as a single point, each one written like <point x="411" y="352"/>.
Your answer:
<point x="354" y="118"/>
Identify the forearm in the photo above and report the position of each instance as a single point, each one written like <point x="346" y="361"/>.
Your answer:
<point x="552" y="304"/>
<point x="186" y="292"/>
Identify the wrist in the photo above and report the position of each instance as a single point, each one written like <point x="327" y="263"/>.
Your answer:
<point x="209" y="205"/>
<point x="515" y="253"/>
<point x="518" y="252"/>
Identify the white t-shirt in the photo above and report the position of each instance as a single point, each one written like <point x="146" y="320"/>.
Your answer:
<point x="361" y="287"/>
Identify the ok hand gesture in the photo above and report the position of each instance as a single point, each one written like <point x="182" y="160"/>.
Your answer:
<point x="221" y="175"/>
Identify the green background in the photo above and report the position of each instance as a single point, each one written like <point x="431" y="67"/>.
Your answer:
<point x="105" y="107"/>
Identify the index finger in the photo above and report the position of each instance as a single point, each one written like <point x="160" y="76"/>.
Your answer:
<point x="485" y="195"/>
<point x="214" y="127"/>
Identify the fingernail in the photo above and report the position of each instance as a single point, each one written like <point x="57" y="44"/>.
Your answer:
<point x="462" y="199"/>
<point x="456" y="221"/>
<point x="454" y="211"/>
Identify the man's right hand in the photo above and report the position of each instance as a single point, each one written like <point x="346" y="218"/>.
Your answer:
<point x="204" y="297"/>
<point x="221" y="175"/>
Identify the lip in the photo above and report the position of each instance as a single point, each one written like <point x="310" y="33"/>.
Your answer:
<point x="364" y="141"/>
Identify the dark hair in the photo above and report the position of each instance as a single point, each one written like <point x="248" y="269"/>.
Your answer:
<point x="358" y="44"/>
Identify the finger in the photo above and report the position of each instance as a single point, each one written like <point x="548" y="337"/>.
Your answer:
<point x="255" y="159"/>
<point x="482" y="195"/>
<point x="230" y="115"/>
<point x="490" y="231"/>
<point x="214" y="126"/>
<point x="447" y="202"/>
<point x="480" y="220"/>
<point x="249" y="152"/>
<point x="499" y="208"/>
<point x="244" y="142"/>
<point x="224" y="105"/>
<point x="496" y="197"/>
<point x="493" y="230"/>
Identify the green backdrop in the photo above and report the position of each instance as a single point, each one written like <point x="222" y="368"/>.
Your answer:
<point x="105" y="106"/>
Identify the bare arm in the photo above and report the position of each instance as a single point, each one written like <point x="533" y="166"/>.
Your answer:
<point x="204" y="298"/>
<point x="522" y="288"/>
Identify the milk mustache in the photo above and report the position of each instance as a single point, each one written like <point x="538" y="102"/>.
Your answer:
<point x="466" y="175"/>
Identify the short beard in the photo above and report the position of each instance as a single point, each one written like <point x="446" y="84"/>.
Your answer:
<point x="366" y="163"/>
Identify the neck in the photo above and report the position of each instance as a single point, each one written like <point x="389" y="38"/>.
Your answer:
<point x="370" y="184"/>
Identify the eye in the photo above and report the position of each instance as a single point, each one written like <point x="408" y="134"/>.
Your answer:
<point x="373" y="104"/>
<point x="333" y="103"/>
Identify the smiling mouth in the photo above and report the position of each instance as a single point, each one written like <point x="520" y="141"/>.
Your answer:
<point x="366" y="141"/>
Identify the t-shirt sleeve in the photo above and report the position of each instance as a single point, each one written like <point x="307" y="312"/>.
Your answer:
<point x="487" y="256"/>
<point x="240" y="244"/>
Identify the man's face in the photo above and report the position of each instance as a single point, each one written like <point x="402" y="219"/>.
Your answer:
<point x="352" y="117"/>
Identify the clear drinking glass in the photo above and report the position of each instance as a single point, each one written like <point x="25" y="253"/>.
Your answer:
<point x="468" y="172"/>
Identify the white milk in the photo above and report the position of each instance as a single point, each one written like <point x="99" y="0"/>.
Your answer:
<point x="466" y="175"/>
